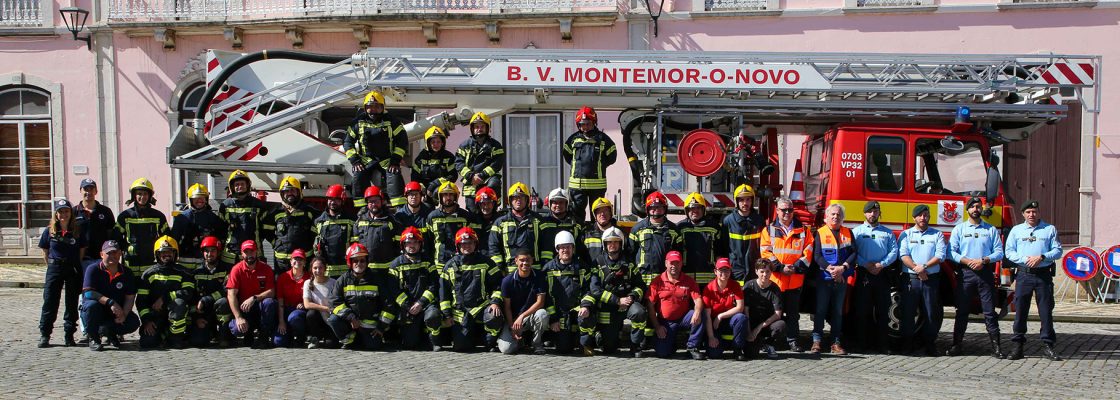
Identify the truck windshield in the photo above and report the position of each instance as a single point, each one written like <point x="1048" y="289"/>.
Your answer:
<point x="944" y="171"/>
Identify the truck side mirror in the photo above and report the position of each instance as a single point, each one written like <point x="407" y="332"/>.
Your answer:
<point x="991" y="185"/>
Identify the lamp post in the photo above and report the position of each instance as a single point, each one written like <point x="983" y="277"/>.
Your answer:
<point x="655" y="16"/>
<point x="75" y="20"/>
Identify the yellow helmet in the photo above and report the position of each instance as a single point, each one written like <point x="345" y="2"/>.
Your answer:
<point x="434" y="131"/>
<point x="290" y="182"/>
<point x="142" y="183"/>
<point x="448" y="187"/>
<point x="480" y="117"/>
<point x="695" y="199"/>
<point x="235" y="175"/>
<point x="165" y="242"/>
<point x="374" y="96"/>
<point x="518" y="189"/>
<point x="744" y="190"/>
<point x="197" y="190"/>
<point x="601" y="202"/>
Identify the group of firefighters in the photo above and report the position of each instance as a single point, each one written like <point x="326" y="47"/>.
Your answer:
<point x="416" y="270"/>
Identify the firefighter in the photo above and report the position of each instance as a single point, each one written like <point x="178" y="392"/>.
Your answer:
<point x="589" y="152"/>
<point x="96" y="221"/>
<point x="415" y="211"/>
<point x="164" y="297"/>
<point x="1033" y="247"/>
<point x="251" y="292"/>
<point x="470" y="283"/>
<point x="375" y="144"/>
<point x="480" y="159"/>
<point x="334" y="230"/>
<point x="741" y="230"/>
<point x="654" y="237"/>
<point x="434" y="165"/>
<point x="517" y="229"/>
<point x="559" y="219"/>
<point x="245" y="215"/>
<point x="834" y="256"/>
<point x="487" y="201"/>
<point x="789" y="246"/>
<point x="975" y="246"/>
<point x="378" y="231"/>
<point x="363" y="305"/>
<point x="922" y="248"/>
<point x="293" y="225"/>
<point x="602" y="211"/>
<point x="876" y="253"/>
<point x="140" y="225"/>
<point x="212" y="313"/>
<point x="62" y="247"/>
<point x="615" y="291"/>
<point x="108" y="294"/>
<point x="442" y="224"/>
<point x="420" y="317"/>
<point x="194" y="222"/>
<point x="675" y="304"/>
<point x="701" y="236"/>
<point x="566" y="276"/>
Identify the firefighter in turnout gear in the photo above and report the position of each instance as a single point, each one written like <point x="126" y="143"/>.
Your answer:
<point x="196" y="221"/>
<point x="364" y="304"/>
<point x="517" y="229"/>
<point x="567" y="283"/>
<point x="487" y="202"/>
<point x="293" y="223"/>
<point x="211" y="313"/>
<point x="602" y="212"/>
<point x="334" y="230"/>
<point x="442" y="223"/>
<point x="245" y="215"/>
<point x="375" y="144"/>
<point x="378" y="231"/>
<point x="480" y="159"/>
<point x="559" y="219"/>
<point x="701" y="237"/>
<point x="589" y="152"/>
<point x="789" y="246"/>
<point x="140" y="225"/>
<point x="164" y="296"/>
<point x="654" y="237"/>
<point x="419" y="282"/>
<point x="415" y="211"/>
<point x="741" y="231"/>
<point x="434" y="165"/>
<point x="615" y="291"/>
<point x="470" y="283"/>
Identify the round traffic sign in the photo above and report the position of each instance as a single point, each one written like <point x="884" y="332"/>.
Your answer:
<point x="1110" y="262"/>
<point x="1081" y="264"/>
<point x="701" y="152"/>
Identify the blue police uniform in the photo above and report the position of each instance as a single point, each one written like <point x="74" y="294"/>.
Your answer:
<point x="975" y="241"/>
<point x="116" y="288"/>
<point x="63" y="249"/>
<point x="874" y="244"/>
<point x="1026" y="241"/>
<point x="922" y="246"/>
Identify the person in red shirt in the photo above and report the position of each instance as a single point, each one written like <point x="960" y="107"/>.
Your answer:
<point x="725" y="321"/>
<point x="291" y="328"/>
<point x="670" y="295"/>
<point x="250" y="289"/>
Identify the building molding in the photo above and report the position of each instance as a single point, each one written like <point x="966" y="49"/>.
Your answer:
<point x="57" y="131"/>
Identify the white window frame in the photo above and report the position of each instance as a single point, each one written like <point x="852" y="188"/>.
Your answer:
<point x="534" y="150"/>
<point x="21" y="121"/>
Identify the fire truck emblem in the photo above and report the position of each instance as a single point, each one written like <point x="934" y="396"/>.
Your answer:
<point x="949" y="213"/>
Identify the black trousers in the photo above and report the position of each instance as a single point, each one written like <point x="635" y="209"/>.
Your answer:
<point x="581" y="199"/>
<point x="61" y="275"/>
<point x="791" y="306"/>
<point x="872" y="304"/>
<point x="1038" y="284"/>
<point x="975" y="283"/>
<point x="391" y="183"/>
<point x="921" y="296"/>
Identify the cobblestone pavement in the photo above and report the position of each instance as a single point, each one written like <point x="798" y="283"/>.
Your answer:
<point x="1091" y="352"/>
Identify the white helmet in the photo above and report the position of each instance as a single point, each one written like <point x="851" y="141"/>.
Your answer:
<point x="564" y="237"/>
<point x="613" y="234"/>
<point x="559" y="193"/>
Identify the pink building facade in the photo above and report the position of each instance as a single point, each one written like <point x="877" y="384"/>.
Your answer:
<point x="108" y="112"/>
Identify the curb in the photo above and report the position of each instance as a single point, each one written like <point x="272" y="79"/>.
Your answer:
<point x="21" y="285"/>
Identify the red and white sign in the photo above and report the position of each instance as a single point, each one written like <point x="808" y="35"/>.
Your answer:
<point x="1069" y="74"/>
<point x="719" y="76"/>
<point x="676" y="200"/>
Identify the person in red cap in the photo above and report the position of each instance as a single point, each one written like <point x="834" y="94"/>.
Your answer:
<point x="675" y="304"/>
<point x="291" y="328"/>
<point x="723" y="310"/>
<point x="415" y="210"/>
<point x="250" y="291"/>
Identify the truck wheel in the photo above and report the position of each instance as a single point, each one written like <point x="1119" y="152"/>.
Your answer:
<point x="894" y="328"/>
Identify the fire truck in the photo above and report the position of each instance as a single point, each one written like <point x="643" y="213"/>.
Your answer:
<point x="902" y="129"/>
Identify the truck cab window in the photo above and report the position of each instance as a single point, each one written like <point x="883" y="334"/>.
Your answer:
<point x="885" y="164"/>
<point x="947" y="171"/>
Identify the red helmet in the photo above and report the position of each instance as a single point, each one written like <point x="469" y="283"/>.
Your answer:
<point x="248" y="245"/>
<point x="486" y="193"/>
<point x="356" y="250"/>
<point x="587" y="113"/>
<point x="656" y="198"/>
<point x="465" y="233"/>
<point x="210" y="241"/>
<point x="336" y="192"/>
<point x="411" y="233"/>
<point x="373" y="191"/>
<point x="412" y="186"/>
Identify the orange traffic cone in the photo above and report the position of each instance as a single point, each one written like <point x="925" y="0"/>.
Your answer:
<point x="797" y="187"/>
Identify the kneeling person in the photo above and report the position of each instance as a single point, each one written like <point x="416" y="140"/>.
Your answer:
<point x="615" y="292"/>
<point x="418" y="282"/>
<point x="250" y="290"/>
<point x="670" y="295"/>
<point x="362" y="307"/>
<point x="164" y="296"/>
<point x="108" y="293"/>
<point x="523" y="294"/>
<point x="723" y="310"/>
<point x="470" y="294"/>
<point x="764" y="311"/>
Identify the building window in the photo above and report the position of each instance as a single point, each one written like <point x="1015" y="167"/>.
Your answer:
<point x="25" y="158"/>
<point x="189" y="103"/>
<point x="884" y="164"/>
<point x="533" y="151"/>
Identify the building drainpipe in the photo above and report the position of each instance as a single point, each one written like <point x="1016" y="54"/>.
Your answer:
<point x="1090" y="112"/>
<point x="107" y="128"/>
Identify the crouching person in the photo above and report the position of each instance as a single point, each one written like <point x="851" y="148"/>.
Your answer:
<point x="418" y="280"/>
<point x="470" y="295"/>
<point x="249" y="291"/>
<point x="164" y="296"/>
<point x="363" y="305"/>
<point x="726" y="323"/>
<point x="675" y="304"/>
<point x="764" y="307"/>
<point x="317" y="294"/>
<point x="212" y="313"/>
<point x="523" y="294"/>
<point x="108" y="293"/>
<point x="614" y="294"/>
<point x="291" y="328"/>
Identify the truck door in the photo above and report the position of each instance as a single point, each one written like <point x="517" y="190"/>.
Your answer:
<point x="885" y="176"/>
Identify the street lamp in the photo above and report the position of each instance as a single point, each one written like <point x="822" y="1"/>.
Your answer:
<point x="75" y="19"/>
<point x="655" y="16"/>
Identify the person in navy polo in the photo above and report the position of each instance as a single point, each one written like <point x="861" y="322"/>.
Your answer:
<point x="108" y="293"/>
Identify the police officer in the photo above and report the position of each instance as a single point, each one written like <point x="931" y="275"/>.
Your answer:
<point x="245" y="215"/>
<point x="375" y="144"/>
<point x="212" y="313"/>
<point x="975" y="246"/>
<point x="63" y="247"/>
<point x="567" y="283"/>
<point x="487" y="202"/>
<point x="480" y="159"/>
<point x="193" y="223"/>
<point x="876" y="252"/>
<point x="293" y="224"/>
<point x="560" y="218"/>
<point x="444" y="222"/>
<point x="419" y="282"/>
<point x="415" y="211"/>
<point x="470" y="283"/>
<point x="589" y="152"/>
<point x="1033" y="247"/>
<point x="701" y="237"/>
<point x="789" y="246"/>
<point x="334" y="231"/>
<point x="434" y="165"/>
<point x="378" y="231"/>
<point x="615" y="291"/>
<point x="517" y="229"/>
<point x="108" y="294"/>
<point x="922" y="248"/>
<point x="602" y="211"/>
<point x="165" y="295"/>
<point x="742" y="229"/>
<point x="140" y="226"/>
<point x="95" y="220"/>
<point x="363" y="306"/>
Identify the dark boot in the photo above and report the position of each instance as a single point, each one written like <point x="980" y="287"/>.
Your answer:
<point x="997" y="352"/>
<point x="954" y="350"/>
<point x="1016" y="351"/>
<point x="1048" y="351"/>
<point x="70" y="342"/>
<point x="44" y="342"/>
